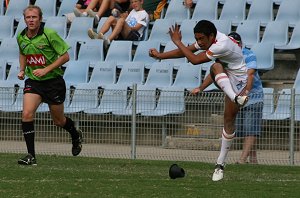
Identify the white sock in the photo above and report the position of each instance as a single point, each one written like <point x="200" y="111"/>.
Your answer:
<point x="84" y="13"/>
<point x="224" y="83"/>
<point x="225" y="147"/>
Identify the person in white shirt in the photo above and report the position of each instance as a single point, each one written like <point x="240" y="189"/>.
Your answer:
<point x="228" y="72"/>
<point x="129" y="27"/>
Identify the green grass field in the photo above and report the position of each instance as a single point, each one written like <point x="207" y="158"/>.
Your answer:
<point x="61" y="176"/>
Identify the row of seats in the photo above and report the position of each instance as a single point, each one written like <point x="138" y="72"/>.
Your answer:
<point x="236" y="11"/>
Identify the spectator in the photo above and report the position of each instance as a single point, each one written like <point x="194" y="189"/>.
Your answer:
<point x="249" y="118"/>
<point x="125" y="27"/>
<point x="228" y="72"/>
<point x="106" y="8"/>
<point x="80" y="7"/>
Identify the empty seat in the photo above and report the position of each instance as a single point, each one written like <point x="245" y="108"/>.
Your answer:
<point x="73" y="48"/>
<point x="104" y="73"/>
<point x="66" y="6"/>
<point x="59" y="24"/>
<point x="13" y="72"/>
<point x="9" y="50"/>
<point x="15" y="8"/>
<point x="114" y="98"/>
<point x="92" y="51"/>
<point x="234" y="10"/>
<point x="294" y="42"/>
<point x="21" y="26"/>
<point x="171" y="101"/>
<point x="160" y="31"/>
<point x="79" y="27"/>
<point x="268" y="107"/>
<point x="160" y="74"/>
<point x="17" y="105"/>
<point x="206" y="9"/>
<point x="48" y="7"/>
<point x="188" y="76"/>
<point x="120" y="51"/>
<point x="6" y="27"/>
<point x="85" y="96"/>
<point x="177" y="11"/>
<point x="7" y="94"/>
<point x="249" y="31"/>
<point x="142" y="52"/>
<point x="275" y="35"/>
<point x="175" y="61"/>
<point x="131" y="73"/>
<point x="282" y="110"/>
<point x="187" y="32"/>
<point x="223" y="26"/>
<point x="262" y="11"/>
<point x="1" y="7"/>
<point x="145" y="101"/>
<point x="289" y="11"/>
<point x="264" y="55"/>
<point x="76" y="72"/>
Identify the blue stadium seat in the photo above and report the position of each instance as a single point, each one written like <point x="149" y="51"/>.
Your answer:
<point x="268" y="107"/>
<point x="131" y="73"/>
<point x="48" y="7"/>
<point x="262" y="11"/>
<point x="160" y="75"/>
<point x="92" y="51"/>
<point x="6" y="27"/>
<point x="211" y="87"/>
<point x="177" y="11"/>
<point x="15" y="8"/>
<point x="175" y="61"/>
<point x="275" y="35"/>
<point x="2" y="7"/>
<point x="249" y="31"/>
<point x="294" y="42"/>
<point x="79" y="28"/>
<point x="120" y="51"/>
<point x="20" y="27"/>
<point x="2" y="70"/>
<point x="223" y="26"/>
<point x="73" y="48"/>
<point x="85" y="96"/>
<point x="76" y="72"/>
<point x="7" y="94"/>
<point x="17" y="105"/>
<point x="100" y="24"/>
<point x="171" y="101"/>
<point x="188" y="76"/>
<point x="234" y="10"/>
<point x="9" y="50"/>
<point x="265" y="55"/>
<point x="104" y="73"/>
<point x="114" y="98"/>
<point x="66" y="6"/>
<point x="289" y="11"/>
<point x="187" y="31"/>
<point x="282" y="110"/>
<point x="142" y="52"/>
<point x="206" y="9"/>
<point x="145" y="101"/>
<point x="59" y="24"/>
<point x="160" y="31"/>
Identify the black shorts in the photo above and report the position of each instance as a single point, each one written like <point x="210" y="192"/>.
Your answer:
<point x="52" y="91"/>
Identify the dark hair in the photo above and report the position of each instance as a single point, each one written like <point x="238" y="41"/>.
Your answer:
<point x="33" y="7"/>
<point x="235" y="36"/>
<point x="205" y="27"/>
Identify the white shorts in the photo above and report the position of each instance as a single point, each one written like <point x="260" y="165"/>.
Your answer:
<point x="238" y="82"/>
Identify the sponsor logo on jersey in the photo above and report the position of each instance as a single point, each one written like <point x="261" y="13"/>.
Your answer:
<point x="35" y="60"/>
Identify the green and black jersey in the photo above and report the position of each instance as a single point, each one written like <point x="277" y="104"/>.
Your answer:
<point x="41" y="51"/>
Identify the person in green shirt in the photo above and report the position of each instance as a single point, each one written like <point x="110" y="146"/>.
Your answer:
<point x="42" y="53"/>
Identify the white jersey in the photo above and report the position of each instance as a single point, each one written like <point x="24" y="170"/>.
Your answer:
<point x="227" y="52"/>
<point x="136" y="17"/>
<point x="230" y="55"/>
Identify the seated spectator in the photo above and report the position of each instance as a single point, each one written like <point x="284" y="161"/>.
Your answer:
<point x="80" y="7"/>
<point x="105" y="8"/>
<point x="125" y="27"/>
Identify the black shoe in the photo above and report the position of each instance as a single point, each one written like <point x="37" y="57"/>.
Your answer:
<point x="77" y="144"/>
<point x="27" y="160"/>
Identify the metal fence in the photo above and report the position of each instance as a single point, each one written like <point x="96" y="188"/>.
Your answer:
<point x="153" y="123"/>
